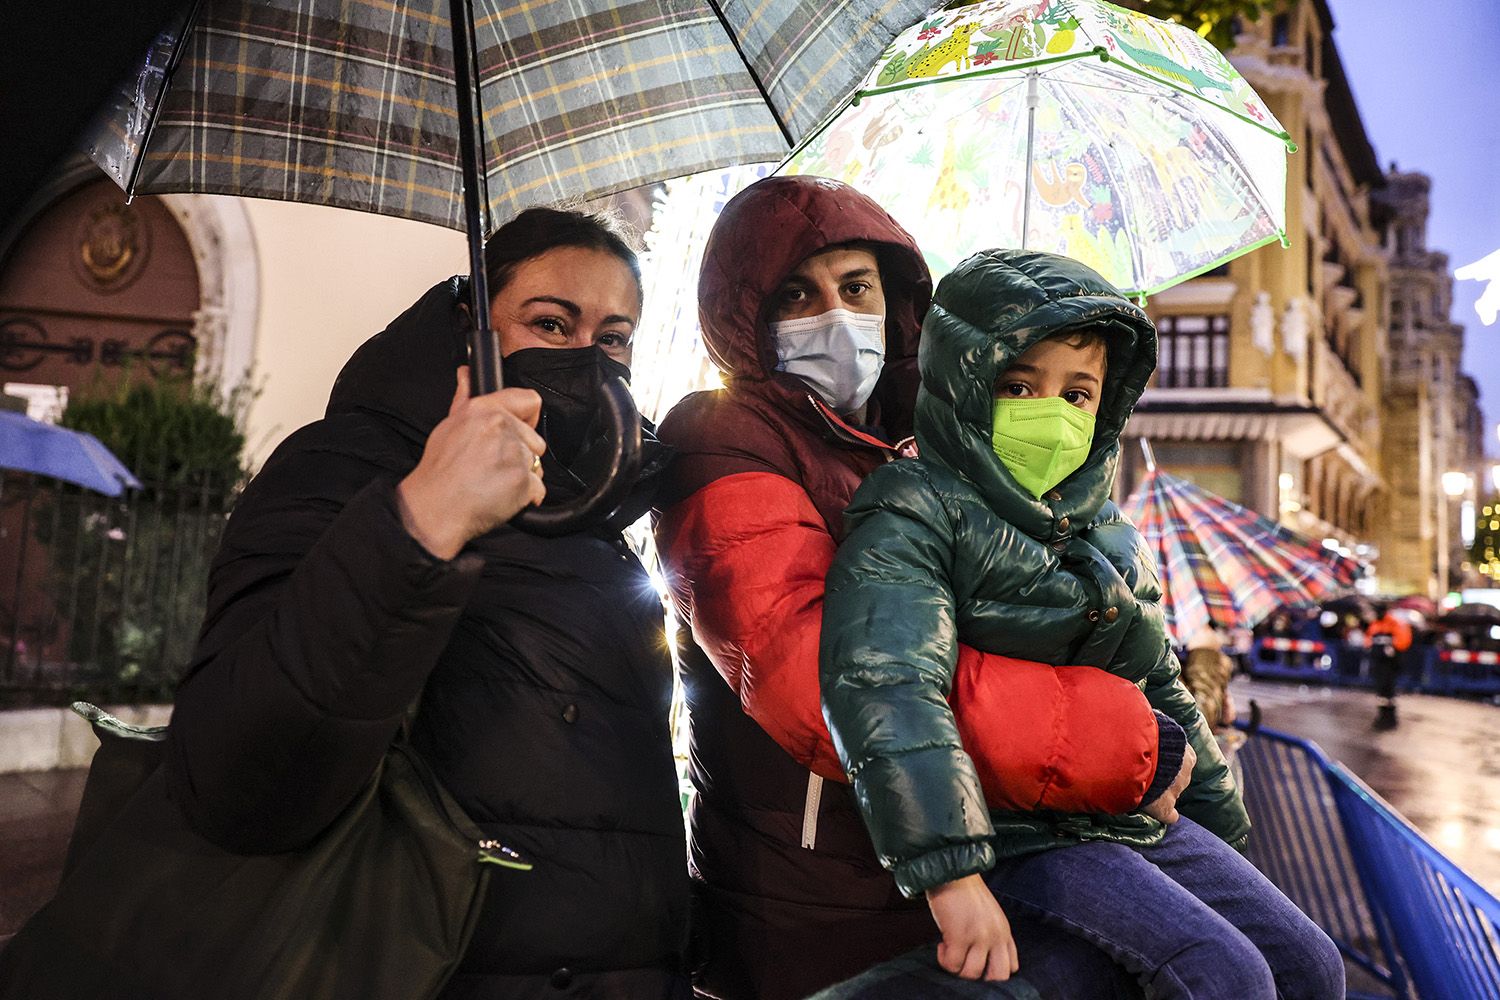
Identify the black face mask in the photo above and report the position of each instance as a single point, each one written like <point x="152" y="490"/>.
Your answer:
<point x="568" y="381"/>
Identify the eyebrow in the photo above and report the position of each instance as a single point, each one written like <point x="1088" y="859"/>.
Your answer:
<point x="572" y="308"/>
<point x="1034" y="370"/>
<point x="858" y="272"/>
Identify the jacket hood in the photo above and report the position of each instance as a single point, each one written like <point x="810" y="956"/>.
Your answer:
<point x="405" y="372"/>
<point x="991" y="309"/>
<point x="759" y="239"/>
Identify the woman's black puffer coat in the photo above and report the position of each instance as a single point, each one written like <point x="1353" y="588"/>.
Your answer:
<point x="540" y="665"/>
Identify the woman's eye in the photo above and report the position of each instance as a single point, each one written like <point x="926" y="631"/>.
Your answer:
<point x="613" y="340"/>
<point x="551" y="325"/>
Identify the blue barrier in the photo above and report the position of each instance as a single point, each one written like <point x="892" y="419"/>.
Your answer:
<point x="1309" y="660"/>
<point x="1425" y="669"/>
<point x="1410" y="922"/>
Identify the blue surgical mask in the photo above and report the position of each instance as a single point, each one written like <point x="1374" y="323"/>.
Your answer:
<point x="838" y="354"/>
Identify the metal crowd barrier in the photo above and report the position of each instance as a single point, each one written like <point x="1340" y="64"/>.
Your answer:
<point x="1426" y="669"/>
<point x="1411" y="924"/>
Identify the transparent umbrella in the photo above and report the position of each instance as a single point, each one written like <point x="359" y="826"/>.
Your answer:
<point x="1073" y="126"/>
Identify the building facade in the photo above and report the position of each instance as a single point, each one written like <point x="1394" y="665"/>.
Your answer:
<point x="1270" y="385"/>
<point x="1433" y="422"/>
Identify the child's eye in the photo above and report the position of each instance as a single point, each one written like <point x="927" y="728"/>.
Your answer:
<point x="1015" y="389"/>
<point x="1078" y="397"/>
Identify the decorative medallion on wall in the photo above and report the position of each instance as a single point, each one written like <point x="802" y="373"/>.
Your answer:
<point x="113" y="246"/>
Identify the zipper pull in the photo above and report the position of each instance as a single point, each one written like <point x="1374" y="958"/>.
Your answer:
<point x="492" y="852"/>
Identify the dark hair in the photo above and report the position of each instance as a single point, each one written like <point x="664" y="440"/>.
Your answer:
<point x="537" y="230"/>
<point x="1085" y="338"/>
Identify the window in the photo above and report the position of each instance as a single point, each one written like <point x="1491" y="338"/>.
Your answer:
<point x="1281" y="30"/>
<point x="1194" y="352"/>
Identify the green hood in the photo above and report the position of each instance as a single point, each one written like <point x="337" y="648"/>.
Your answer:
<point x="986" y="313"/>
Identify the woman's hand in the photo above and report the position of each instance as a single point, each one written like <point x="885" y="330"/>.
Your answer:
<point x="479" y="468"/>
<point x="976" y="936"/>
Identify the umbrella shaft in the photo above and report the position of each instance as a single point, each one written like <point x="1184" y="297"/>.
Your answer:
<point x="1033" y="97"/>
<point x="484" y="347"/>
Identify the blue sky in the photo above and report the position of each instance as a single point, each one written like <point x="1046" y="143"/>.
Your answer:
<point x="1426" y="76"/>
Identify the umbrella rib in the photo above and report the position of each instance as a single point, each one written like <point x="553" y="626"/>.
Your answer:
<point x="1127" y="221"/>
<point x="161" y="92"/>
<point x="734" y="39"/>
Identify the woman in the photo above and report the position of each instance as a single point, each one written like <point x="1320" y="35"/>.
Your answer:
<point x="369" y="567"/>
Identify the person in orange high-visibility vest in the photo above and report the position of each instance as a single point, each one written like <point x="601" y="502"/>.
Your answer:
<point x="1389" y="639"/>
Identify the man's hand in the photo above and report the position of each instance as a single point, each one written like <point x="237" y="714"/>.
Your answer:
<point x="478" y="470"/>
<point x="1164" y="806"/>
<point x="976" y="936"/>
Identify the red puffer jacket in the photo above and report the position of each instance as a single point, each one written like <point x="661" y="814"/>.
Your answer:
<point x="789" y="894"/>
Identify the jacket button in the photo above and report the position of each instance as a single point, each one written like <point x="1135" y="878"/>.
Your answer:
<point x="1111" y="614"/>
<point x="1052" y="496"/>
<point x="1060" y="546"/>
<point x="1094" y="615"/>
<point x="562" y="979"/>
<point x="570" y="716"/>
<point x="1063" y="524"/>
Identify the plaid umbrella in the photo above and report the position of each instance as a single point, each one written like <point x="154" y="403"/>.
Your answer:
<point x="385" y="105"/>
<point x="1219" y="561"/>
<point x="352" y="103"/>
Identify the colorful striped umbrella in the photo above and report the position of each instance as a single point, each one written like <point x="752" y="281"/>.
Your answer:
<point x="352" y="103"/>
<point x="1222" y="562"/>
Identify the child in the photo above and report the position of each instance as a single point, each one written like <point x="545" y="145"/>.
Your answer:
<point x="1002" y="536"/>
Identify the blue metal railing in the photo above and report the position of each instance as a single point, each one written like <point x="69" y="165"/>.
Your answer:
<point x="1410" y="921"/>
<point x="1426" y="669"/>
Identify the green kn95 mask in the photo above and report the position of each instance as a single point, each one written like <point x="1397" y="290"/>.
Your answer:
<point x="1041" y="441"/>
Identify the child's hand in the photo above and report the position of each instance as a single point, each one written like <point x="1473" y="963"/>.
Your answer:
<point x="1164" y="806"/>
<point x="976" y="936"/>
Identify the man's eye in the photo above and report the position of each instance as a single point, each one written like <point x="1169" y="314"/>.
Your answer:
<point x="857" y="288"/>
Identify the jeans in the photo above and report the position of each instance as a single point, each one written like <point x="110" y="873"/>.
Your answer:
<point x="1189" y="916"/>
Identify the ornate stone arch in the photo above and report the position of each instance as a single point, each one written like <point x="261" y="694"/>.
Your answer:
<point x="222" y="239"/>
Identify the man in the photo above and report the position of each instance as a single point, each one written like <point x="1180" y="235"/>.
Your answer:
<point x="811" y="300"/>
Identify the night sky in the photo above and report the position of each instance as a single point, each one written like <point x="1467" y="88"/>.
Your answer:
<point x="1426" y="76"/>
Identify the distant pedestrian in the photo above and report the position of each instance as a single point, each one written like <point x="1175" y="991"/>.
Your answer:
<point x="1389" y="638"/>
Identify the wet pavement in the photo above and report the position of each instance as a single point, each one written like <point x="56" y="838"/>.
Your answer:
<point x="1440" y="768"/>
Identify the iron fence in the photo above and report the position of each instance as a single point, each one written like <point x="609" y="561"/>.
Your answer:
<point x="101" y="598"/>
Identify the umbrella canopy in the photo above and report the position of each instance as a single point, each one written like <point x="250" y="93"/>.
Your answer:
<point x="353" y="103"/>
<point x="1073" y="126"/>
<point x="72" y="456"/>
<point x="1471" y="615"/>
<point x="1425" y="606"/>
<point x="1219" y="561"/>
<point x="1352" y="604"/>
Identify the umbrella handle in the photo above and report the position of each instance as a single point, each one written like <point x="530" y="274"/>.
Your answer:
<point x="604" y="497"/>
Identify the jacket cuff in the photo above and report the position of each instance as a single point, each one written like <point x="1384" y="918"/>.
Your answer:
<point x="938" y="867"/>
<point x="1171" y="747"/>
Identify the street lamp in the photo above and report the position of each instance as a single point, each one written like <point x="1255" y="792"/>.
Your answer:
<point x="1456" y="484"/>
